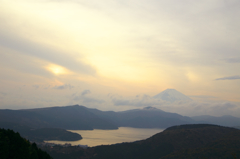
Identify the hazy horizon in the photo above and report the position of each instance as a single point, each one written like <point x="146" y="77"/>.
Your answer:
<point x="116" y="55"/>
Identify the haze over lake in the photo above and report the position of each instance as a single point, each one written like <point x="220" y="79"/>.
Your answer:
<point x="107" y="137"/>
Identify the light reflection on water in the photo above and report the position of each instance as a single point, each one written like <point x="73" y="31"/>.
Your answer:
<point x="107" y="137"/>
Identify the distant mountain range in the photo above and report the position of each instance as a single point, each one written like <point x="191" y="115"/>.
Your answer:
<point x="70" y="117"/>
<point x="82" y="118"/>
<point x="149" y="117"/>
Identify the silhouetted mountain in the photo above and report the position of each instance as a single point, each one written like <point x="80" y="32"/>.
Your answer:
<point x="177" y="140"/>
<point x="151" y="117"/>
<point x="172" y="95"/>
<point x="148" y="117"/>
<point x="13" y="146"/>
<point x="226" y="120"/>
<point x="69" y="117"/>
<point x="39" y="135"/>
<point x="82" y="118"/>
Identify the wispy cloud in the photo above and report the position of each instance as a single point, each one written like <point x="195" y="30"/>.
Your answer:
<point x="233" y="60"/>
<point x="46" y="53"/>
<point x="85" y="98"/>
<point x="85" y="92"/>
<point x="204" y="108"/>
<point x="203" y="97"/>
<point x="229" y="78"/>
<point x="139" y="101"/>
<point x="65" y="86"/>
<point x="2" y="93"/>
<point x="35" y="86"/>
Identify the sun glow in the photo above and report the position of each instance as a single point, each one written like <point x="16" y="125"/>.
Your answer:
<point x="57" y="70"/>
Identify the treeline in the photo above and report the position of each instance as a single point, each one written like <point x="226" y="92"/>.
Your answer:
<point x="13" y="146"/>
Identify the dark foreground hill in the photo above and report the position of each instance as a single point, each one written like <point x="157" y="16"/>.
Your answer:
<point x="13" y="146"/>
<point x="185" y="141"/>
<point x="39" y="135"/>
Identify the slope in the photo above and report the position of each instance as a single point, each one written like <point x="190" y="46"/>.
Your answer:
<point x="176" y="140"/>
<point x="12" y="145"/>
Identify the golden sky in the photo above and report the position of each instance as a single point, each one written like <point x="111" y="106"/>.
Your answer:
<point x="61" y="52"/>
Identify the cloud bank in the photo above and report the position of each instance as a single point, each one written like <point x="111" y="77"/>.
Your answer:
<point x="229" y="78"/>
<point x="65" y="86"/>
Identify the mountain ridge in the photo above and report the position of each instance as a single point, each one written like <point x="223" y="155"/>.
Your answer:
<point x="77" y="117"/>
<point x="68" y="117"/>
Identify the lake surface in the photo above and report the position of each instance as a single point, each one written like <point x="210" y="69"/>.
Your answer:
<point x="107" y="137"/>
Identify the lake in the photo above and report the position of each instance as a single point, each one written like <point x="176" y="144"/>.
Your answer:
<point x="107" y="137"/>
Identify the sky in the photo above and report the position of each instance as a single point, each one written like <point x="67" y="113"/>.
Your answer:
<point x="117" y="54"/>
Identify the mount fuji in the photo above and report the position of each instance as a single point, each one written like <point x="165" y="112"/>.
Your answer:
<point x="172" y="95"/>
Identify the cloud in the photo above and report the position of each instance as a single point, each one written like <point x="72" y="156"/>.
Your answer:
<point x="85" y="92"/>
<point x="3" y="94"/>
<point x="203" y="97"/>
<point x="46" y="53"/>
<point x="189" y="108"/>
<point x="92" y="100"/>
<point x="139" y="101"/>
<point x="214" y="108"/>
<point x="36" y="86"/>
<point x="65" y="86"/>
<point x="13" y="64"/>
<point x="229" y="78"/>
<point x="81" y="97"/>
<point x="233" y="60"/>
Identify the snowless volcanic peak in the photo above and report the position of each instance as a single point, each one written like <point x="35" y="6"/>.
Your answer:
<point x="172" y="95"/>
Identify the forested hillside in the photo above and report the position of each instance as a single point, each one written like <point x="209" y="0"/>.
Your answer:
<point x="13" y="146"/>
